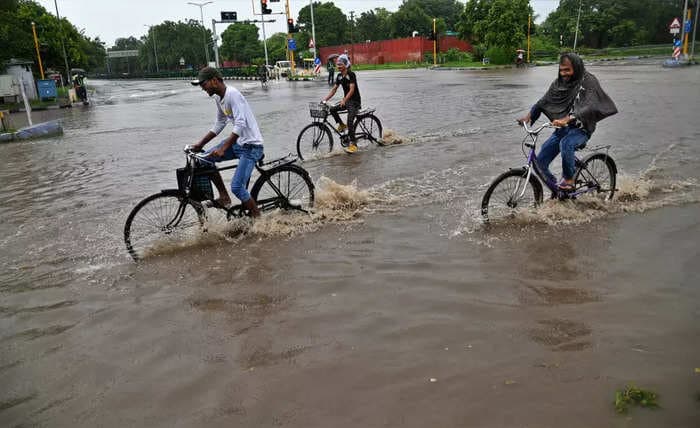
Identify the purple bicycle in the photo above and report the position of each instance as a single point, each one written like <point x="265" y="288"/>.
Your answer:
<point x="521" y="188"/>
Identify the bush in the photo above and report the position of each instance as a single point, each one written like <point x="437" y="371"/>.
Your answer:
<point x="499" y="55"/>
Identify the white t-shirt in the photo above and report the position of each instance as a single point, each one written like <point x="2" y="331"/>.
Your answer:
<point x="234" y="108"/>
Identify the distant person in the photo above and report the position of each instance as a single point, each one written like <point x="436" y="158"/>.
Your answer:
<point x="330" y="66"/>
<point x="575" y="102"/>
<point x="79" y="86"/>
<point x="519" y="59"/>
<point x="245" y="142"/>
<point x="351" y="101"/>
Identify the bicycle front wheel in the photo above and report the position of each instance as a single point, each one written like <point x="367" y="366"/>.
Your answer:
<point x="598" y="175"/>
<point x="162" y="220"/>
<point x="286" y="187"/>
<point x="368" y="128"/>
<point x="509" y="193"/>
<point x="314" y="140"/>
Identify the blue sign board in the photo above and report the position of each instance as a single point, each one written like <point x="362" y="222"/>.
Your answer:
<point x="317" y="61"/>
<point x="292" y="44"/>
<point x="676" y="42"/>
<point x="687" y="26"/>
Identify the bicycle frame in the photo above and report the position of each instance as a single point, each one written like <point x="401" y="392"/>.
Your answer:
<point x="532" y="164"/>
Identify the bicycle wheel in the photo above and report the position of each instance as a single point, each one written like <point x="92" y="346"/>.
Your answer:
<point x="314" y="140"/>
<point x="286" y="187"/>
<point x="368" y="128"/>
<point x="161" y="220"/>
<point x="597" y="174"/>
<point x="509" y="193"/>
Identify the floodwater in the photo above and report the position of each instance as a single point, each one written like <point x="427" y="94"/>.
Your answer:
<point x="391" y="305"/>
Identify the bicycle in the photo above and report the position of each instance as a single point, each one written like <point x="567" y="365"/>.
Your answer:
<point x="520" y="188"/>
<point x="174" y="215"/>
<point x="316" y="138"/>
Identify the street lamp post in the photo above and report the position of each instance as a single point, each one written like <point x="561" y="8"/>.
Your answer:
<point x="204" y="30"/>
<point x="63" y="46"/>
<point x="155" y="50"/>
<point x="577" y="21"/>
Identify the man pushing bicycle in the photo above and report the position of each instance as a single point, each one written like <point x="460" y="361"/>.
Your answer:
<point x="245" y="142"/>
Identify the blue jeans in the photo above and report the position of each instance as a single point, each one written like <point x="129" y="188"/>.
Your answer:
<point x="565" y="140"/>
<point x="247" y="154"/>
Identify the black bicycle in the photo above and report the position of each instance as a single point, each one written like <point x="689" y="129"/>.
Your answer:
<point x="176" y="215"/>
<point x="520" y="188"/>
<point x="316" y="138"/>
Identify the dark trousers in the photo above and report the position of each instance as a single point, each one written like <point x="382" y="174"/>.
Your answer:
<point x="331" y="77"/>
<point x="353" y="107"/>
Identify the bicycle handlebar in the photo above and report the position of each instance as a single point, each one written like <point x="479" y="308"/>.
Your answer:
<point x="535" y="131"/>
<point x="196" y="155"/>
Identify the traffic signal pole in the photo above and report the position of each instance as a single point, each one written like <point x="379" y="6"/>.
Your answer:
<point x="290" y="52"/>
<point x="434" y="45"/>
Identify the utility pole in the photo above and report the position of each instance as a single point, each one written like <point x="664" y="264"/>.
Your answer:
<point x="155" y="52"/>
<point x="578" y="18"/>
<point x="38" y="55"/>
<point x="684" y="35"/>
<point x="352" y="44"/>
<point x="529" y="21"/>
<point x="434" y="45"/>
<point x="313" y="29"/>
<point x="204" y="30"/>
<point x="63" y="46"/>
<point x="695" y="25"/>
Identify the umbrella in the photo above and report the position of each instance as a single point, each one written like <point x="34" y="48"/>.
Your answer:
<point x="520" y="50"/>
<point x="332" y="56"/>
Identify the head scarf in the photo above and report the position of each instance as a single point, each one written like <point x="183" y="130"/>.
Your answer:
<point x="581" y="96"/>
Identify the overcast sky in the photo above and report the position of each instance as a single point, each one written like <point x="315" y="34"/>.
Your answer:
<point x="113" y="19"/>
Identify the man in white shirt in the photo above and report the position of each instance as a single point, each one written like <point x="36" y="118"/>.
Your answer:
<point x="245" y="142"/>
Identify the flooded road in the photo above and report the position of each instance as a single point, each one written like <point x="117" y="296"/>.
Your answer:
<point x="392" y="305"/>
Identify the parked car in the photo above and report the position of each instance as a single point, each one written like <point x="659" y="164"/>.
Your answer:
<point x="283" y="68"/>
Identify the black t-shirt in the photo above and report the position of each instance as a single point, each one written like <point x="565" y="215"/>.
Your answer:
<point x="345" y="82"/>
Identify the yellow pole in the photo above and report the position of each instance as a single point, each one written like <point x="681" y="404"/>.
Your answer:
<point x="38" y="55"/>
<point x="434" y="45"/>
<point x="529" y="20"/>
<point x="685" y="39"/>
<point x="289" y="36"/>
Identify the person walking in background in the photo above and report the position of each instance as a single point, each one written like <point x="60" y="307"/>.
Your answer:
<point x="330" y="66"/>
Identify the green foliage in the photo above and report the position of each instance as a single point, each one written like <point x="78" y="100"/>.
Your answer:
<point x="634" y="396"/>
<point x="276" y="47"/>
<point x="496" y="23"/>
<point x="455" y="55"/>
<point x="373" y="25"/>
<point x="240" y="43"/>
<point x="606" y="23"/>
<point x="499" y="55"/>
<point x="331" y="23"/>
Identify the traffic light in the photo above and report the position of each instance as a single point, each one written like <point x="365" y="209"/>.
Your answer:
<point x="265" y="10"/>
<point x="229" y="16"/>
<point x="291" y="28"/>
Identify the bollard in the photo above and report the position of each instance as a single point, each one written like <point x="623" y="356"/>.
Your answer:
<point x="4" y="116"/>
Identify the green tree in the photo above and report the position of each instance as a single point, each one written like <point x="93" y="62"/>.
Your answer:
<point x="331" y="23"/>
<point x="409" y="18"/>
<point x="373" y="25"/>
<point x="496" y="23"/>
<point x="174" y="40"/>
<point x="240" y="43"/>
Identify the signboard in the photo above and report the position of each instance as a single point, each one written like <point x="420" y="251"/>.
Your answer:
<point x="229" y="16"/>
<point x="311" y="43"/>
<point x="317" y="65"/>
<point x="122" y="54"/>
<point x="675" y="26"/>
<point x="292" y="44"/>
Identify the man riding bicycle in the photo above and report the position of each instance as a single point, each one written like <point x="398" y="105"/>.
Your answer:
<point x="575" y="102"/>
<point x="351" y="101"/>
<point x="245" y="142"/>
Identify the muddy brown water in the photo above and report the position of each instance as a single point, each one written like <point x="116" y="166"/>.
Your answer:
<point x="392" y="305"/>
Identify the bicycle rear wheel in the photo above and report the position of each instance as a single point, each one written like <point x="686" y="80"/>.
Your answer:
<point x="509" y="193"/>
<point x="368" y="128"/>
<point x="598" y="175"/>
<point x="162" y="220"/>
<point x="285" y="187"/>
<point x="314" y="140"/>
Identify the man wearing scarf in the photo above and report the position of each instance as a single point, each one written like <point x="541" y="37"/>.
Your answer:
<point x="575" y="102"/>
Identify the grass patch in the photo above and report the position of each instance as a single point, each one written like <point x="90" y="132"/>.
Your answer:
<point x="634" y="396"/>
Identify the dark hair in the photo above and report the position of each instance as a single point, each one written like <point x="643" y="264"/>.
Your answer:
<point x="576" y="63"/>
